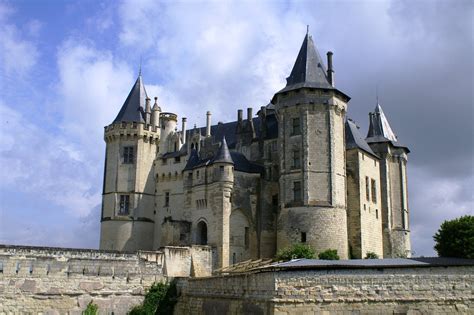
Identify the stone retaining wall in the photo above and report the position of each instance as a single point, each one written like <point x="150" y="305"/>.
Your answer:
<point x="406" y="290"/>
<point x="57" y="280"/>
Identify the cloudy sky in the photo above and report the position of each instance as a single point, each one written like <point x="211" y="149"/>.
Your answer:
<point x="67" y="66"/>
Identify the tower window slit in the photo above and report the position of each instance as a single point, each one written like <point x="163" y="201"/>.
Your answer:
<point x="124" y="205"/>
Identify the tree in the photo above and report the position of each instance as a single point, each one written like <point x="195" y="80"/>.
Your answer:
<point x="295" y="252"/>
<point x="91" y="309"/>
<point x="159" y="299"/>
<point x="455" y="238"/>
<point x="329" y="254"/>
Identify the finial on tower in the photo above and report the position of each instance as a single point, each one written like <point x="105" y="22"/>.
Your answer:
<point x="140" y="69"/>
<point x="307" y="29"/>
<point x="377" y="93"/>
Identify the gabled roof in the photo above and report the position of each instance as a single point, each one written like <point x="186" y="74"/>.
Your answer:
<point x="132" y="109"/>
<point x="355" y="140"/>
<point x="223" y="155"/>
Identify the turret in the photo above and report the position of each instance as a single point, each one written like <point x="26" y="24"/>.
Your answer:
<point x="168" y="122"/>
<point x="311" y="114"/>
<point x="393" y="177"/>
<point x="127" y="205"/>
<point x="155" y="114"/>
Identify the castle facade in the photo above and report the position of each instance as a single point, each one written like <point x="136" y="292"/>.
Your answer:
<point x="298" y="171"/>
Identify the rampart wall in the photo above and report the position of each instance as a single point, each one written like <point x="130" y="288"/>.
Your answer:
<point x="57" y="280"/>
<point x="405" y="290"/>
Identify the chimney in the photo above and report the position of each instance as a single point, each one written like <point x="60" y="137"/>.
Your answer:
<point x="183" y="136"/>
<point x="249" y="113"/>
<point x="239" y="115"/>
<point x="330" y="69"/>
<point x="147" y="111"/>
<point x="208" y="124"/>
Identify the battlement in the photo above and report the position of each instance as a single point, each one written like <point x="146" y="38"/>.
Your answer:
<point x="130" y="130"/>
<point x="169" y="116"/>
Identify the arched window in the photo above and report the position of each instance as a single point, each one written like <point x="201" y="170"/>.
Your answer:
<point x="201" y="234"/>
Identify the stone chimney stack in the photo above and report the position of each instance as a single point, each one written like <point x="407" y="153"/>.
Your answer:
<point x="330" y="70"/>
<point x="208" y="124"/>
<point x="183" y="135"/>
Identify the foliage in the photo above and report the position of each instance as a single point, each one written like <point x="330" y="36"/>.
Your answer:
<point x="371" y="255"/>
<point x="455" y="238"/>
<point x="159" y="299"/>
<point x="296" y="251"/>
<point x="91" y="309"/>
<point x="329" y="254"/>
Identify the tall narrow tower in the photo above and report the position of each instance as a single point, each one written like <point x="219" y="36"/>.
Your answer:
<point x="393" y="177"/>
<point x="128" y="192"/>
<point x="311" y="114"/>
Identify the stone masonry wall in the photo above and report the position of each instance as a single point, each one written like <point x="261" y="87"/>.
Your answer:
<point x="57" y="280"/>
<point x="407" y="290"/>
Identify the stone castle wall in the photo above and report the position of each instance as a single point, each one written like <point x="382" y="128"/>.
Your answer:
<point x="406" y="290"/>
<point x="51" y="280"/>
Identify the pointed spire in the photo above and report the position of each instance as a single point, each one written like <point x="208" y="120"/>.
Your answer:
<point x="132" y="108"/>
<point x="379" y="128"/>
<point x="309" y="68"/>
<point x="354" y="138"/>
<point x="223" y="155"/>
<point x="156" y="106"/>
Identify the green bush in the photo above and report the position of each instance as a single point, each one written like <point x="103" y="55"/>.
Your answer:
<point x="295" y="251"/>
<point x="371" y="255"/>
<point x="455" y="238"/>
<point x="329" y="254"/>
<point x="159" y="299"/>
<point x="91" y="309"/>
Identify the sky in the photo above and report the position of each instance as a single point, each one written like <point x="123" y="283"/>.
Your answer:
<point x="66" y="68"/>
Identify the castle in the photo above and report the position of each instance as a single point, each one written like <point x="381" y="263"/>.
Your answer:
<point x="297" y="172"/>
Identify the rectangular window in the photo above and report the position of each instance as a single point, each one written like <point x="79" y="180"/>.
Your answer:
<point x="376" y="213"/>
<point x="167" y="199"/>
<point x="296" y="126"/>
<point x="128" y="155"/>
<point x="221" y="170"/>
<point x="177" y="159"/>
<point x="246" y="237"/>
<point x="303" y="237"/>
<point x="197" y="174"/>
<point x="297" y="191"/>
<point x="367" y="189"/>
<point x="124" y="206"/>
<point x="296" y="159"/>
<point x="275" y="202"/>
<point x="374" y="191"/>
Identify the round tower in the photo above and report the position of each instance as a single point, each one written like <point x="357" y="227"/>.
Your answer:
<point x="127" y="200"/>
<point x="311" y="115"/>
<point x="168" y="122"/>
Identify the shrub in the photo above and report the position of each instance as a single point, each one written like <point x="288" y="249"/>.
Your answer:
<point x="371" y="255"/>
<point x="455" y="238"/>
<point x="329" y="254"/>
<point x="91" y="309"/>
<point x="296" y="251"/>
<point x="159" y="299"/>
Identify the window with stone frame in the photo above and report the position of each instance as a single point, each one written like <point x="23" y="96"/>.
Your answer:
<point x="373" y="186"/>
<point x="297" y="191"/>
<point x="124" y="205"/>
<point x="167" y="199"/>
<point x="296" y="159"/>
<point x="128" y="155"/>
<point x="367" y="188"/>
<point x="296" y="126"/>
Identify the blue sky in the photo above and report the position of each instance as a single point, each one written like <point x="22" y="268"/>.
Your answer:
<point x="67" y="66"/>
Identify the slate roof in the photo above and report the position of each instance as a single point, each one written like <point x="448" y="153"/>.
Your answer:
<point x="240" y="162"/>
<point x="309" y="67"/>
<point x="132" y="109"/>
<point x="355" y="140"/>
<point x="228" y="130"/>
<point x="380" y="130"/>
<point x="223" y="155"/>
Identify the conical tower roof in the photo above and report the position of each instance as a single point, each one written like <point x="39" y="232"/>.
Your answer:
<point x="132" y="109"/>
<point x="379" y="128"/>
<point x="223" y="155"/>
<point x="309" y="68"/>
